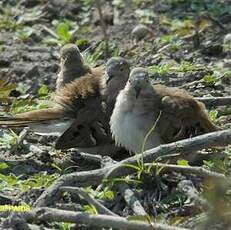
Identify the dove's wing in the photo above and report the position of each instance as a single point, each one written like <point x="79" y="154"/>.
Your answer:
<point x="84" y="135"/>
<point x="181" y="115"/>
<point x="85" y="101"/>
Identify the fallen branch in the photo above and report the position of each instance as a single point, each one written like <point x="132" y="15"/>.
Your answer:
<point x="199" y="171"/>
<point x="100" y="208"/>
<point x="128" y="195"/>
<point x="186" y="146"/>
<point x="80" y="179"/>
<point x="94" y="177"/>
<point x="104" y="221"/>
<point x="215" y="101"/>
<point x="131" y="199"/>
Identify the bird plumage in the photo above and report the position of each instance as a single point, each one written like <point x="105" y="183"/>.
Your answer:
<point x="139" y="105"/>
<point x="96" y="133"/>
<point x="79" y="114"/>
<point x="72" y="65"/>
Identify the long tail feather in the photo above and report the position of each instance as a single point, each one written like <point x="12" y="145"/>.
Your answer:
<point x="32" y="117"/>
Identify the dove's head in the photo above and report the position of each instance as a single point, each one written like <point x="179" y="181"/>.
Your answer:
<point x="72" y="65"/>
<point x="139" y="81"/>
<point x="71" y="56"/>
<point x="117" y="70"/>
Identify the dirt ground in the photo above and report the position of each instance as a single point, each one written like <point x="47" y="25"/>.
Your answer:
<point x="182" y="45"/>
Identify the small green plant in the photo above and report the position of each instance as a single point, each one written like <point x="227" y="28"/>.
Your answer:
<point x="8" y="140"/>
<point x="187" y="67"/>
<point x="21" y="106"/>
<point x="25" y="105"/>
<point x="182" y="162"/>
<point x="7" y="22"/>
<point x="6" y="88"/>
<point x="162" y="69"/>
<point x="106" y="194"/>
<point x="140" y="167"/>
<point x="90" y="209"/>
<point x="210" y="80"/>
<point x="63" y="34"/>
<point x="92" y="58"/>
<point x="24" y="33"/>
<point x="213" y="114"/>
<point x="40" y="180"/>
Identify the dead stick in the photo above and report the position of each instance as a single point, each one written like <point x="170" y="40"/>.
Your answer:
<point x="199" y="171"/>
<point x="104" y="221"/>
<point x="131" y="199"/>
<point x="94" y="177"/>
<point x="100" y="208"/>
<point x="215" y="101"/>
<point x="186" y="146"/>
<point x="127" y="193"/>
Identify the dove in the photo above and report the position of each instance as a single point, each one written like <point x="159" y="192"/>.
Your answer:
<point x="72" y="65"/>
<point x="79" y="116"/>
<point x="116" y="75"/>
<point x="172" y="113"/>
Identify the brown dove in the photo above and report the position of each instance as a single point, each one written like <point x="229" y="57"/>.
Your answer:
<point x="140" y="106"/>
<point x="72" y="65"/>
<point x="117" y="73"/>
<point x="79" y="115"/>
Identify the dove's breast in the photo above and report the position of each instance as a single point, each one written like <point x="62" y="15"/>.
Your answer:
<point x="130" y="123"/>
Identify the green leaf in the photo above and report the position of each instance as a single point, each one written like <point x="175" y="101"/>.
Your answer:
<point x="213" y="114"/>
<point x="210" y="80"/>
<point x="81" y="42"/>
<point x="90" y="209"/>
<point x="182" y="162"/>
<point x="63" y="31"/>
<point x="131" y="166"/>
<point x="51" y="41"/>
<point x="109" y="195"/>
<point x="43" y="91"/>
<point x="3" y="166"/>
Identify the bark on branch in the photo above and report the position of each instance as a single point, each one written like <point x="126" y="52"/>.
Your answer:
<point x="94" y="177"/>
<point x="215" y="101"/>
<point x="51" y="214"/>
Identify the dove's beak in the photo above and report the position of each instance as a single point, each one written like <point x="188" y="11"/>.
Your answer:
<point x="137" y="90"/>
<point x="109" y="74"/>
<point x="108" y="78"/>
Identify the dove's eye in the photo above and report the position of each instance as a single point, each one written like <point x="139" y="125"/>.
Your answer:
<point x="121" y="68"/>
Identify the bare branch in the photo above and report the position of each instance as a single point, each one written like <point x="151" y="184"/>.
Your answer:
<point x="51" y="214"/>
<point x="215" y="101"/>
<point x="94" y="177"/>
<point x="186" y="146"/>
<point x="100" y="208"/>
<point x="131" y="199"/>
<point x="199" y="171"/>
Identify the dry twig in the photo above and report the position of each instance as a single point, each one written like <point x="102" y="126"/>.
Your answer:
<point x="199" y="171"/>
<point x="100" y="208"/>
<point x="127" y="193"/>
<point x="51" y="214"/>
<point x="215" y="101"/>
<point x="94" y="177"/>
